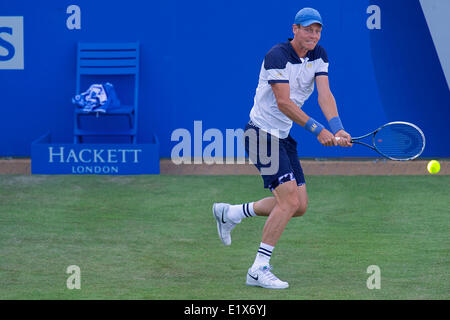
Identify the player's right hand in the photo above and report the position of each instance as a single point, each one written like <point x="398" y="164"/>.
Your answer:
<point x="343" y="139"/>
<point x="326" y="138"/>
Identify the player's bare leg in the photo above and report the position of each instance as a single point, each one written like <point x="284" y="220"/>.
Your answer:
<point x="264" y="206"/>
<point x="288" y="200"/>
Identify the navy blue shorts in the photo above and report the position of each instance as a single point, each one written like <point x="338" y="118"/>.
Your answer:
<point x="289" y="167"/>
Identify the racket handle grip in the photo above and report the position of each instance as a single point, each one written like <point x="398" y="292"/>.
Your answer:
<point x="339" y="138"/>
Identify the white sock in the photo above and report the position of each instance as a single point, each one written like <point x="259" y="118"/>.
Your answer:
<point x="263" y="255"/>
<point x="240" y="211"/>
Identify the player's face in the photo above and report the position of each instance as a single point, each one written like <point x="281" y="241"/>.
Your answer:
<point x="307" y="37"/>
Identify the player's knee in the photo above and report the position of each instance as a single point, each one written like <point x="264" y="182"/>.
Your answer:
<point x="294" y="208"/>
<point x="301" y="209"/>
<point x="290" y="203"/>
<point x="288" y="199"/>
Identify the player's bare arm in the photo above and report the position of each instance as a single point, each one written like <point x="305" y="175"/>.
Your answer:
<point x="329" y="108"/>
<point x="293" y="112"/>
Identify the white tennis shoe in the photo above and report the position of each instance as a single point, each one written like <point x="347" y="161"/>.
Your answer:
<point x="224" y="225"/>
<point x="263" y="277"/>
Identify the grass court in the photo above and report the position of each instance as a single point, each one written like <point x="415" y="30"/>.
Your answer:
<point x="154" y="237"/>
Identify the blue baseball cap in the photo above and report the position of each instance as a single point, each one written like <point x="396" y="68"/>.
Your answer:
<point x="308" y="16"/>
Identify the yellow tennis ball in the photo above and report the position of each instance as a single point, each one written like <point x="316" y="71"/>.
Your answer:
<point x="433" y="167"/>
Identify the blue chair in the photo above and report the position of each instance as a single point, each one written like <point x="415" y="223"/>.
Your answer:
<point x="105" y="60"/>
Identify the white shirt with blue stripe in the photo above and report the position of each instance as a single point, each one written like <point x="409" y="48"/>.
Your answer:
<point x="282" y="64"/>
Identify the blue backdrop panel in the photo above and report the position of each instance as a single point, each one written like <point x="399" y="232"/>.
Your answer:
<point x="200" y="61"/>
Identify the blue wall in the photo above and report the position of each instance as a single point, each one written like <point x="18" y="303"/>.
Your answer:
<point x="201" y="61"/>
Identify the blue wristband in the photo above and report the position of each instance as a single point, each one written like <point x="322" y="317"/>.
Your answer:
<point x="335" y="124"/>
<point x="313" y="126"/>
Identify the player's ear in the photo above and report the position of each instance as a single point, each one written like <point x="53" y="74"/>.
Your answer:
<point x="295" y="28"/>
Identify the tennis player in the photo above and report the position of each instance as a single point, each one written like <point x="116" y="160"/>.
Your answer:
<point x="286" y="81"/>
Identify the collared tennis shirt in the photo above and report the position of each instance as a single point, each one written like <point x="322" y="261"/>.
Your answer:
<point x="282" y="64"/>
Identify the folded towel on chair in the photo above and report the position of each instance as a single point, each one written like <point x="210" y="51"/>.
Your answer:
<point x="98" y="98"/>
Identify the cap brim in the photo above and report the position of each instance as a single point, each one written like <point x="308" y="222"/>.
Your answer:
<point x="310" y="22"/>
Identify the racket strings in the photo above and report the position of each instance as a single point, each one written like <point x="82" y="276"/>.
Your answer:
<point x="399" y="141"/>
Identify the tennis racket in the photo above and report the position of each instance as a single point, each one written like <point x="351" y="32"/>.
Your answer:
<point x="396" y="140"/>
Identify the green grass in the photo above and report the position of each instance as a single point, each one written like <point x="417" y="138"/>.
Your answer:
<point x="154" y="237"/>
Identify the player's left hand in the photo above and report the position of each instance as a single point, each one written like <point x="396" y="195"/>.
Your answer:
<point x="345" y="139"/>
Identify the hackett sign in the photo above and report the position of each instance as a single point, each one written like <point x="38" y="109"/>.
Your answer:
<point x="99" y="160"/>
<point x="94" y="155"/>
<point x="109" y="159"/>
